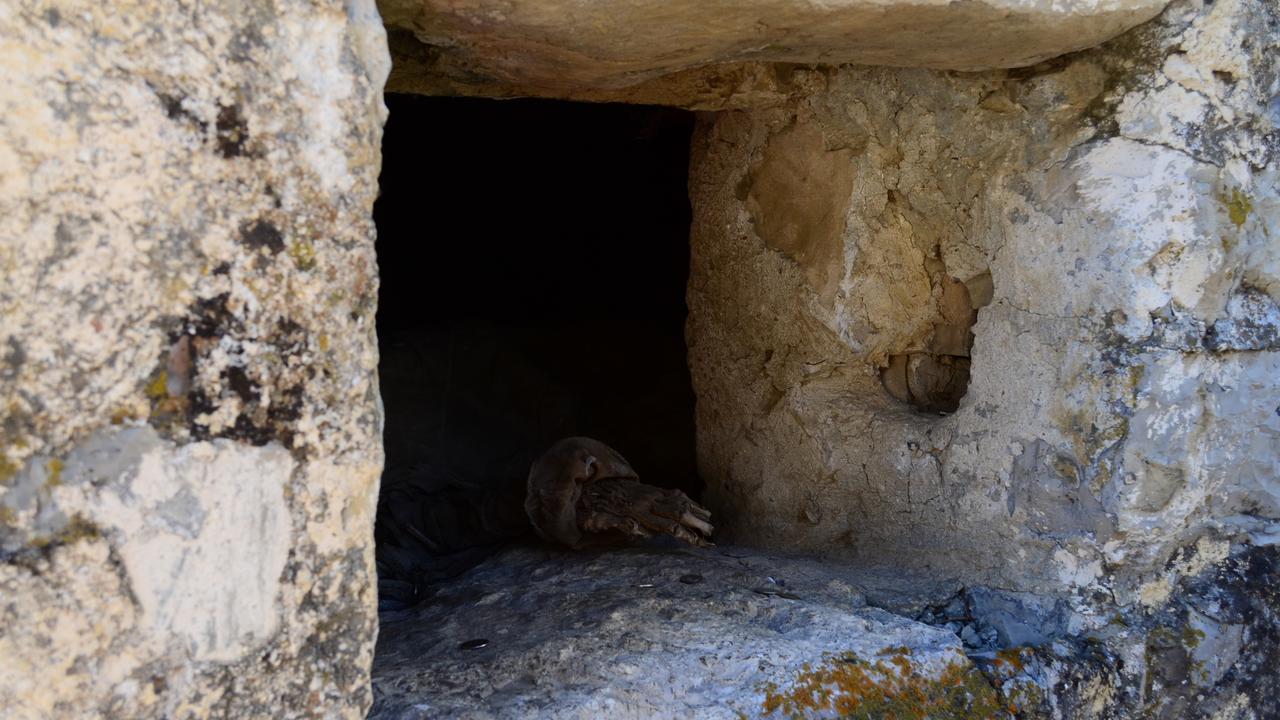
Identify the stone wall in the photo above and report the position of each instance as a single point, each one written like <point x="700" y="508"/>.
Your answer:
<point x="1106" y="223"/>
<point x="1110" y="216"/>
<point x="189" y="414"/>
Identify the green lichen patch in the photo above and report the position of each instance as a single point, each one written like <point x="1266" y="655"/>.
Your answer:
<point x="895" y="688"/>
<point x="53" y="472"/>
<point x="7" y="469"/>
<point x="156" y="388"/>
<point x="76" y="530"/>
<point x="303" y="254"/>
<point x="1239" y="206"/>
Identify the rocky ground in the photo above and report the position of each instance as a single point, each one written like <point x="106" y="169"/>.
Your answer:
<point x="664" y="632"/>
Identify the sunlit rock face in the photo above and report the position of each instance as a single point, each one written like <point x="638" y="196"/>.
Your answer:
<point x="1015" y="328"/>
<point x="1111" y="218"/>
<point x="563" y="45"/>
<point x="189" y="420"/>
<point x="1103" y="225"/>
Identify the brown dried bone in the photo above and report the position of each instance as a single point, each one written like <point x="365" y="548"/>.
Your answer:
<point x="581" y="493"/>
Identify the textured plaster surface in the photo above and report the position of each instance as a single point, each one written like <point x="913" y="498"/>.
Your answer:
<point x="189" y="421"/>
<point x="568" y="46"/>
<point x="1113" y="215"/>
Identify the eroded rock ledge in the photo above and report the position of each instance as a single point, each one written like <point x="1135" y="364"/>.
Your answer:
<point x="567" y="47"/>
<point x="733" y="633"/>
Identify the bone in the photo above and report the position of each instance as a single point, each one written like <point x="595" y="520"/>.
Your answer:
<point x="697" y="523"/>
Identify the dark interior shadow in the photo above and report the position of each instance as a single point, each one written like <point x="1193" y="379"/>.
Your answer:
<point x="533" y="259"/>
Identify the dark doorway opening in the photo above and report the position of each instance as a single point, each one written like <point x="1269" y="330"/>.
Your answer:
<point x="533" y="259"/>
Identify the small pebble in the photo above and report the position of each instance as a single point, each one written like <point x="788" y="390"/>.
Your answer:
<point x="475" y="644"/>
<point x="691" y="579"/>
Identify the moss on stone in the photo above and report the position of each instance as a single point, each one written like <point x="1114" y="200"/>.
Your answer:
<point x="77" y="529"/>
<point x="896" y="688"/>
<point x="53" y="469"/>
<point x="303" y="254"/>
<point x="7" y="469"/>
<point x="158" y="387"/>
<point x="1239" y="205"/>
<point x="1192" y="637"/>
<point x="1011" y="658"/>
<point x="1136" y="373"/>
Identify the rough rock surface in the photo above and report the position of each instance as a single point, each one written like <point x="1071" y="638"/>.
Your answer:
<point x="640" y="633"/>
<point x="189" y="414"/>
<point x="730" y="632"/>
<point x="568" y="45"/>
<point x="1112" y="217"/>
<point x="189" y="419"/>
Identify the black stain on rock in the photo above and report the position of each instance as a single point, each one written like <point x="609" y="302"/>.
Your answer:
<point x="174" y="110"/>
<point x="210" y="318"/>
<point x="1214" y="643"/>
<point x="243" y="44"/>
<point x="64" y="243"/>
<point x="1241" y="592"/>
<point x="209" y="325"/>
<point x="262" y="234"/>
<point x="232" y="132"/>
<point x="14" y="358"/>
<point x="1249" y="325"/>
<point x="241" y="385"/>
<point x="16" y="423"/>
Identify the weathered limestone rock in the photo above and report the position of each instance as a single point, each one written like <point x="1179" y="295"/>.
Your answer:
<point x="189" y="420"/>
<point x="640" y="633"/>
<point x="1112" y="217"/>
<point x="1125" y="275"/>
<point x="423" y="69"/>
<point x="566" y="45"/>
<point x="1085" y="249"/>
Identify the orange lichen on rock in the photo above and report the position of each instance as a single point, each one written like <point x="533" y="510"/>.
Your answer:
<point x="899" y="689"/>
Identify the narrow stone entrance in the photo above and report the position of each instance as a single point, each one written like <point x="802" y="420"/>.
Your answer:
<point x="533" y="259"/>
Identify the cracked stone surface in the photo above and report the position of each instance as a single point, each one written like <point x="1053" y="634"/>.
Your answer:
<point x="632" y="633"/>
